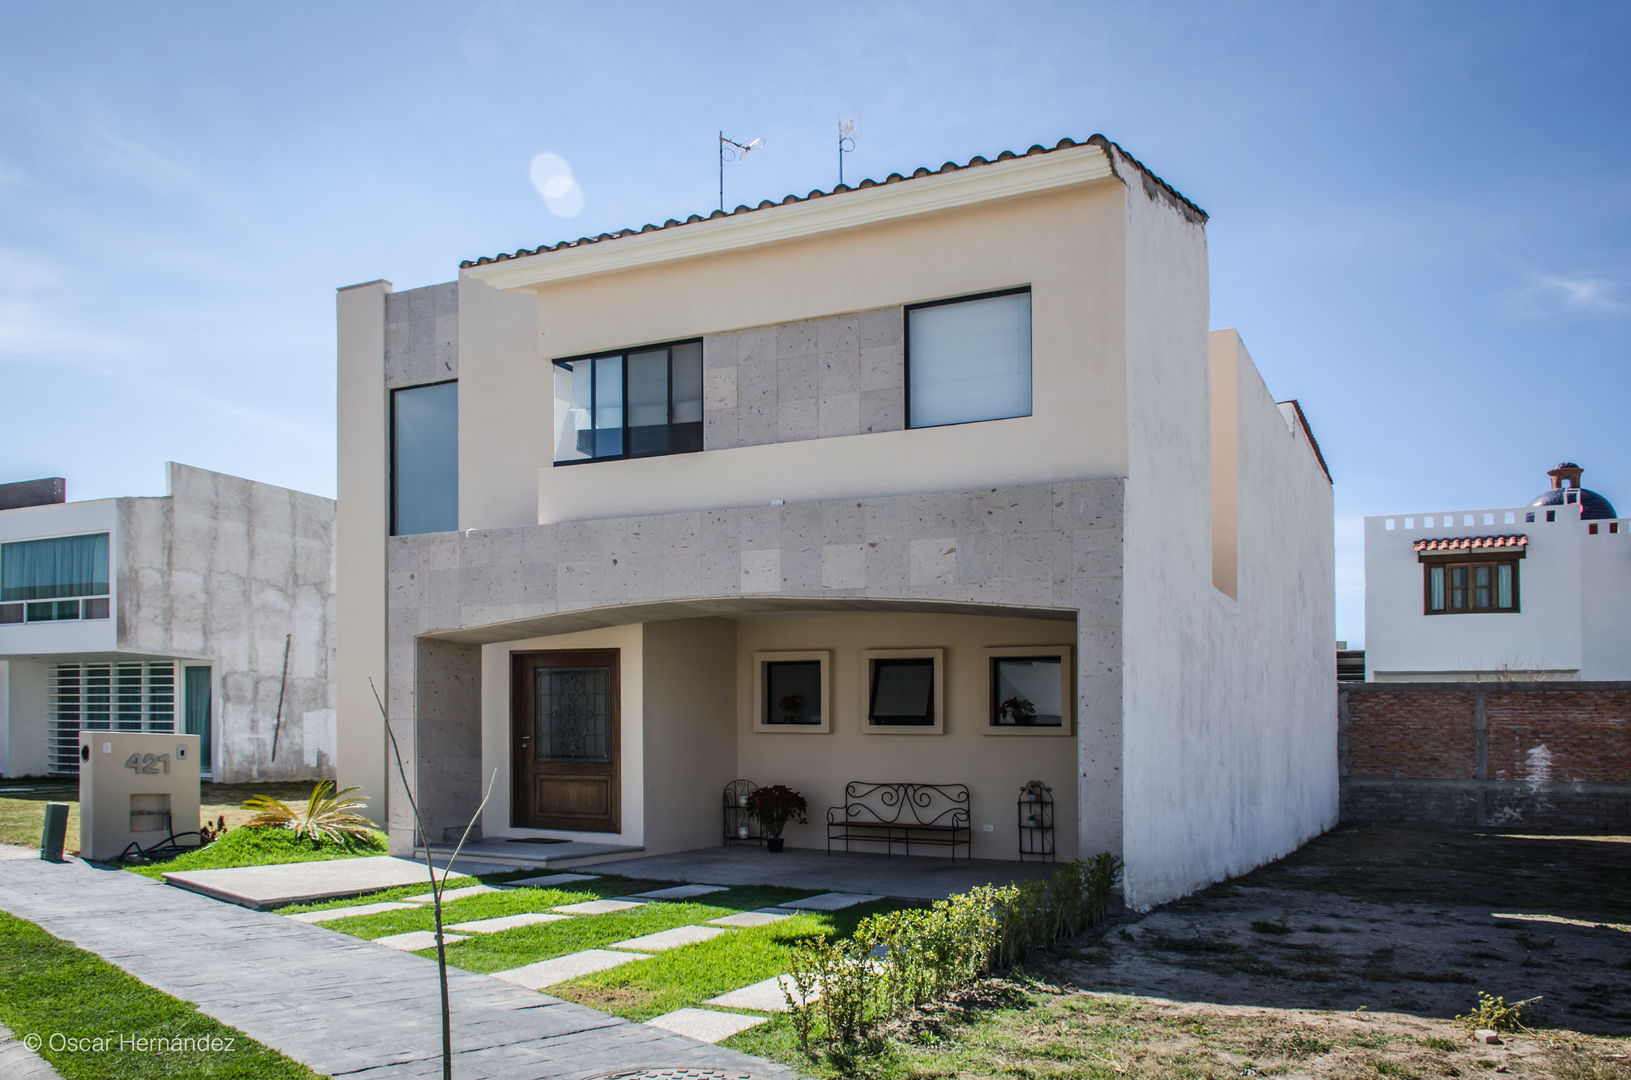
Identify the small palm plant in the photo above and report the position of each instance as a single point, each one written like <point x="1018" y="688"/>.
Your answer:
<point x="326" y="817"/>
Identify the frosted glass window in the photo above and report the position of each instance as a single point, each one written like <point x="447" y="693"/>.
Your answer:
<point x="425" y="459"/>
<point x="969" y="360"/>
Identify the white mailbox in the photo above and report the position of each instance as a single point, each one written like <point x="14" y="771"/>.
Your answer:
<point x="135" y="788"/>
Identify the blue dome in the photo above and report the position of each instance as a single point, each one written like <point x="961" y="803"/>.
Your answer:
<point x="1592" y="505"/>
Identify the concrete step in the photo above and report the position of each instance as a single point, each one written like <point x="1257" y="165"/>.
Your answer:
<point x="525" y="856"/>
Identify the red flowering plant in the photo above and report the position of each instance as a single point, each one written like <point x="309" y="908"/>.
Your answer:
<point x="1016" y="710"/>
<point x="775" y="806"/>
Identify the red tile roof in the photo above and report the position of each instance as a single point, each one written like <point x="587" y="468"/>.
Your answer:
<point x="1472" y="543"/>
<point x="1109" y="146"/>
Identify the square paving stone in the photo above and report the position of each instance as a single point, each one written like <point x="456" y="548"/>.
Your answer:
<point x="680" y="892"/>
<point x="549" y="972"/>
<point x="599" y="907"/>
<point x="761" y="917"/>
<point x="763" y="996"/>
<point x="830" y="901"/>
<point x="664" y="940"/>
<point x="330" y="914"/>
<point x="507" y="922"/>
<point x="547" y="880"/>
<point x="414" y="940"/>
<point x="705" y="1025"/>
<point x="450" y="895"/>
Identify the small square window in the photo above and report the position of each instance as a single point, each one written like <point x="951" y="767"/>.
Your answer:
<point x="96" y="609"/>
<point x="968" y="360"/>
<point x="1029" y="690"/>
<point x="11" y="613"/>
<point x="904" y="691"/>
<point x="791" y="692"/>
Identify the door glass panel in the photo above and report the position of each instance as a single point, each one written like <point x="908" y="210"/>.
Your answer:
<point x="197" y="688"/>
<point x="572" y="714"/>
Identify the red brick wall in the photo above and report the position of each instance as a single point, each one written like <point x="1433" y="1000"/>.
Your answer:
<point x="1417" y="733"/>
<point x="1563" y="734"/>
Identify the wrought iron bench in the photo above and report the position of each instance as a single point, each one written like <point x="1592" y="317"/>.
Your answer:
<point x="903" y="813"/>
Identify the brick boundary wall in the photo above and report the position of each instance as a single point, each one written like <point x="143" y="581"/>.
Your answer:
<point x="1540" y="755"/>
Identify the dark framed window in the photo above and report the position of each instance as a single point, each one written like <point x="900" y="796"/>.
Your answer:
<point x="1470" y="587"/>
<point x="1026" y="691"/>
<point x="902" y="692"/>
<point x="792" y="690"/>
<point x="968" y="359"/>
<point x="425" y="459"/>
<point x="633" y="403"/>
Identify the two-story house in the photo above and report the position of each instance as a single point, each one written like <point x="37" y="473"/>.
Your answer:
<point x="940" y="478"/>
<point x="1534" y="592"/>
<point x="206" y="610"/>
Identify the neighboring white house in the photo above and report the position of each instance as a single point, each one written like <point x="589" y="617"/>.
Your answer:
<point x="207" y="610"/>
<point x="938" y="479"/>
<point x="1541" y="591"/>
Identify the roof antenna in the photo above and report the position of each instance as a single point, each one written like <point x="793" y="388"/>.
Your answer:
<point x="731" y="150"/>
<point x="849" y="129"/>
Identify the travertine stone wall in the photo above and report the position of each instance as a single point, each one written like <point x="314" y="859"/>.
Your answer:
<point x="422" y="335"/>
<point x="814" y="379"/>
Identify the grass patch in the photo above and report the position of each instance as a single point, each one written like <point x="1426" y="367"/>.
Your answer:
<point x="48" y="986"/>
<point x="262" y="847"/>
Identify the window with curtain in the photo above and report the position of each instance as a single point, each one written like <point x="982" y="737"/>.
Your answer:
<point x="639" y="403"/>
<point x="1465" y="588"/>
<point x="54" y="579"/>
<point x="425" y="459"/>
<point x="968" y="360"/>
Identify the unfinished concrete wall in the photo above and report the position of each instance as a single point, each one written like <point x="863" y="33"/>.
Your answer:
<point x="445" y="744"/>
<point x="226" y="571"/>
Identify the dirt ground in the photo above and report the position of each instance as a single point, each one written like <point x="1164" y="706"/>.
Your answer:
<point x="1382" y="933"/>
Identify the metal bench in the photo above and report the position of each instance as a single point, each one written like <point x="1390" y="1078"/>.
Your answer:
<point x="889" y="813"/>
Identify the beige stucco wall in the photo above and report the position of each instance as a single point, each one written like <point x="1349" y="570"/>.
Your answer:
<point x="25" y="716"/>
<point x="690" y="736"/>
<point x="818" y="765"/>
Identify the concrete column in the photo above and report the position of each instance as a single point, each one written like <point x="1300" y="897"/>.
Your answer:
<point x="361" y="522"/>
<point x="446" y="763"/>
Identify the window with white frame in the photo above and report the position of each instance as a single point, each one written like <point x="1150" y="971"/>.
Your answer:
<point x="968" y="359"/>
<point x="54" y="579"/>
<point x="791" y="691"/>
<point x="136" y="695"/>
<point x="1029" y="690"/>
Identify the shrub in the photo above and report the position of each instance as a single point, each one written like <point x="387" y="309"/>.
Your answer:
<point x="326" y="817"/>
<point x="775" y="805"/>
<point x="901" y="959"/>
<point x="1495" y="1014"/>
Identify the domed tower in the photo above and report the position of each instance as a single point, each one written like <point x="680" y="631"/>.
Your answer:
<point x="1566" y="490"/>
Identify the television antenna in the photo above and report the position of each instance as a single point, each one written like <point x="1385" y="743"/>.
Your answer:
<point x="731" y="150"/>
<point x="849" y="129"/>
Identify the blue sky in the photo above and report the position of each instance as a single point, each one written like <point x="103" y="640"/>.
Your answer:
<point x="1421" y="213"/>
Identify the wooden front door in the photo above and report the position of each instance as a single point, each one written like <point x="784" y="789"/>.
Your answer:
<point x="566" y="736"/>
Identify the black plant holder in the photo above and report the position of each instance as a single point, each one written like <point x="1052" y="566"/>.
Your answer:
<point x="1036" y="835"/>
<point x="738" y="815"/>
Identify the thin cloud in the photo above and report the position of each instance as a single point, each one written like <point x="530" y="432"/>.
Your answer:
<point x="1552" y="294"/>
<point x="12" y="176"/>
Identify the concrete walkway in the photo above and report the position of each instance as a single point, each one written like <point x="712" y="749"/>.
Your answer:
<point x="18" y="1062"/>
<point x="343" y="1006"/>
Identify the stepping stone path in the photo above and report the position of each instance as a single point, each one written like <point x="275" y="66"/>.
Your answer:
<point x="414" y="940"/>
<point x="330" y="914"/>
<point x="507" y="922"/>
<point x="705" y="1025"/>
<point x="765" y="995"/>
<point x="450" y="895"/>
<point x="680" y="892"/>
<point x="548" y="880"/>
<point x="761" y="917"/>
<point x="562" y="968"/>
<point x="664" y="940"/>
<point x="830" y="901"/>
<point x="599" y="907"/>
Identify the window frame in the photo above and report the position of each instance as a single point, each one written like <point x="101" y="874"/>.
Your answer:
<point x="18" y="612"/>
<point x="761" y="661"/>
<point x="937" y="697"/>
<point x="1470" y="562"/>
<point x="906" y="353"/>
<point x="390" y="454"/>
<point x="623" y="354"/>
<point x="1067" y="690"/>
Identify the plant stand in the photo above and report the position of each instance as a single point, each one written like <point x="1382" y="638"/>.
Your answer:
<point x="1036" y="836"/>
<point x="737" y="816"/>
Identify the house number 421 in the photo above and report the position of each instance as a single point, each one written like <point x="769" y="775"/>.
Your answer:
<point x="147" y="764"/>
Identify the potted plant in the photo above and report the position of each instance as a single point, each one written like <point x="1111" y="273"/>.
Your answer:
<point x="774" y="806"/>
<point x="1016" y="710"/>
<point x="790" y="704"/>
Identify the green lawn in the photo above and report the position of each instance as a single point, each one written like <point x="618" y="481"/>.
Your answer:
<point x="261" y="847"/>
<point x="48" y="987"/>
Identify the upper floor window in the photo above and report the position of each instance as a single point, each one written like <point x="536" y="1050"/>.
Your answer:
<point x="636" y="403"/>
<point x="1463" y="588"/>
<point x="55" y="579"/>
<point x="425" y="459"/>
<point x="968" y="359"/>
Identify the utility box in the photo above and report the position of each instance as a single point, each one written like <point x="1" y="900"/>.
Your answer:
<point x="135" y="788"/>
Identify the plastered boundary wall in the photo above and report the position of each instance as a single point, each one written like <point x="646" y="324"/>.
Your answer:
<point x="1047" y="547"/>
<point x="1540" y="755"/>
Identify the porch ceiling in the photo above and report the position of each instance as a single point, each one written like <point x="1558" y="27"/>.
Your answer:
<point x="725" y="607"/>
